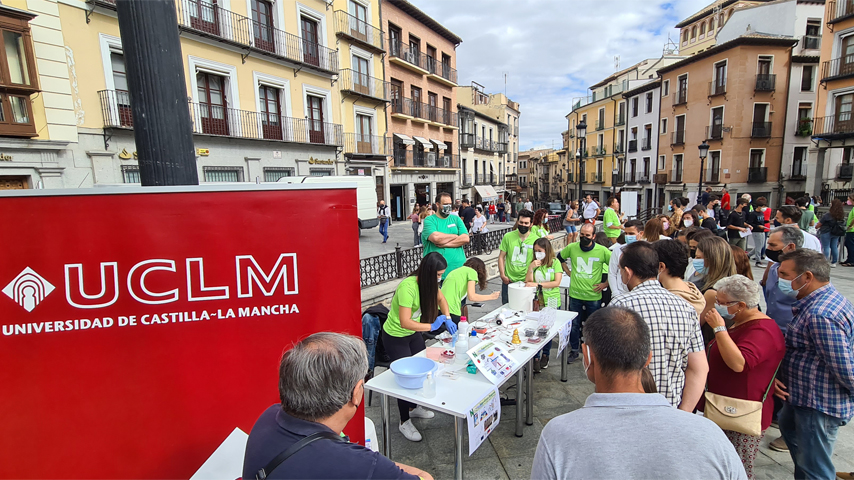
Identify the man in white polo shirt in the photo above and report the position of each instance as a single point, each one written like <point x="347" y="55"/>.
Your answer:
<point x="791" y="215"/>
<point x="591" y="210"/>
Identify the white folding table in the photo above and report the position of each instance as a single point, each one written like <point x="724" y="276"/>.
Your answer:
<point x="455" y="396"/>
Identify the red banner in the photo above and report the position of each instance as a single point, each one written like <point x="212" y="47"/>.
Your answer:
<point x="140" y="327"/>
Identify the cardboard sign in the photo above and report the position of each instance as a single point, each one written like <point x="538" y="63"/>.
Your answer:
<point x="141" y="326"/>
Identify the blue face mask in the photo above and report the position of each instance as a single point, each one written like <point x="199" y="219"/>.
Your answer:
<point x="631" y="239"/>
<point x="723" y="310"/>
<point x="785" y="286"/>
<point x="699" y="266"/>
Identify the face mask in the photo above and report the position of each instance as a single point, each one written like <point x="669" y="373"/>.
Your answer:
<point x="586" y="243"/>
<point x="545" y="220"/>
<point x="773" y="255"/>
<point x="439" y="279"/>
<point x="631" y="239"/>
<point x="540" y="255"/>
<point x="785" y="286"/>
<point x="699" y="266"/>
<point x="723" y="310"/>
<point x="849" y="202"/>
<point x="670" y="208"/>
<point x="693" y="253"/>
<point x="446" y="209"/>
<point x="665" y="225"/>
<point x="523" y="229"/>
<point x="587" y="367"/>
<point x="688" y="223"/>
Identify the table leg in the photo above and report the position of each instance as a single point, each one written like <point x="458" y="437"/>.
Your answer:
<point x="563" y="368"/>
<point x="529" y="394"/>
<point x="520" y="384"/>
<point x="385" y="426"/>
<point x="458" y="447"/>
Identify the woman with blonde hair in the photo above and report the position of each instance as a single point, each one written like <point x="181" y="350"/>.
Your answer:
<point x="714" y="260"/>
<point x="653" y="230"/>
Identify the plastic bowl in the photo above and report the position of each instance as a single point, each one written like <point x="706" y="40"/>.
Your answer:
<point x="410" y="372"/>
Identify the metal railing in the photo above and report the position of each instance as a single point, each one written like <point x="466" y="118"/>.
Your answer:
<point x="837" y="68"/>
<point x="599" y="151"/>
<point x="717" y="88"/>
<point x="633" y="146"/>
<point x="845" y="171"/>
<point x="799" y="170"/>
<point x="115" y="108"/>
<point x="761" y="130"/>
<point x="416" y="158"/>
<point x="597" y="177"/>
<point x="408" y="54"/>
<point x="765" y="82"/>
<point x="486" y="178"/>
<point x="357" y="143"/>
<point x="359" y="30"/>
<point x="620" y="148"/>
<point x="644" y="178"/>
<point x="827" y="196"/>
<point x="470" y="140"/>
<point x="467" y="179"/>
<point x="680" y="97"/>
<point x="212" y="20"/>
<point x="646" y="144"/>
<point x="621" y="120"/>
<point x="757" y="174"/>
<point x="362" y="84"/>
<point x="431" y="113"/>
<point x="713" y="175"/>
<point x="676" y="175"/>
<point x="714" y="132"/>
<point x="840" y="125"/>
<point x="811" y="42"/>
<point x="600" y="124"/>
<point x="839" y="10"/>
<point x="440" y="69"/>
<point x="804" y="127"/>
<point x="678" y="137"/>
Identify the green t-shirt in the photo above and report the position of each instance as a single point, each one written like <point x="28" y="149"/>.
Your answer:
<point x="611" y="219"/>
<point x="850" y="220"/>
<point x="455" y="256"/>
<point x="519" y="254"/>
<point x="546" y="273"/>
<point x="587" y="269"/>
<point x="406" y="295"/>
<point x="806" y="218"/>
<point x="456" y="286"/>
<point x="539" y="231"/>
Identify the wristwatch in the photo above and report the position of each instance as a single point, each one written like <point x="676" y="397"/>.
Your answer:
<point x="721" y="328"/>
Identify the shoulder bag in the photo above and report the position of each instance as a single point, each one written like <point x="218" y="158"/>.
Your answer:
<point x="837" y="229"/>
<point x="280" y="458"/>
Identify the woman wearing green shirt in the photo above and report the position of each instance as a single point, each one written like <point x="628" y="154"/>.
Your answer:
<point x="418" y="296"/>
<point x="459" y="286"/>
<point x="545" y="271"/>
<point x="541" y="224"/>
<point x="849" y="234"/>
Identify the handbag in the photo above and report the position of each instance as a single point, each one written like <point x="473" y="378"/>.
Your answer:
<point x="837" y="230"/>
<point x="736" y="414"/>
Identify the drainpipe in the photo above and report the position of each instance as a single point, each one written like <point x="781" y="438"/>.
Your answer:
<point x="781" y="187"/>
<point x="387" y="169"/>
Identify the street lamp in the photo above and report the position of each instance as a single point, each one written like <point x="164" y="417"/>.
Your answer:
<point x="704" y="152"/>
<point x="614" y="172"/>
<point x="581" y="130"/>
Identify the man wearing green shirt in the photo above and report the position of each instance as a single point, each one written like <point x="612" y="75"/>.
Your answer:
<point x="611" y="221"/>
<point x="516" y="252"/>
<point x="446" y="234"/>
<point x="849" y="234"/>
<point x="588" y="261"/>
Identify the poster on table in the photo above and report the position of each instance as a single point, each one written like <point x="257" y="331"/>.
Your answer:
<point x="483" y="417"/>
<point x="143" y="327"/>
<point x="494" y="361"/>
<point x="563" y="335"/>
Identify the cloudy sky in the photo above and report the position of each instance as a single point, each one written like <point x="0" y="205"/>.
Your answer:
<point x="552" y="50"/>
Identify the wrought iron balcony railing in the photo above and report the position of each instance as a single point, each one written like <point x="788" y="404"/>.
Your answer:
<point x="714" y="132"/>
<point x="761" y="130"/>
<point x="424" y="111"/>
<point x="678" y="137"/>
<point x="811" y="42"/>
<point x="360" y="144"/>
<point x="837" y="126"/>
<point x="633" y="146"/>
<point x="838" y="11"/>
<point x="363" y="85"/>
<point x="359" y="30"/>
<point x="765" y="82"/>
<point x="646" y="144"/>
<point x="680" y="97"/>
<point x="718" y="87"/>
<point x="757" y="174"/>
<point x="837" y="68"/>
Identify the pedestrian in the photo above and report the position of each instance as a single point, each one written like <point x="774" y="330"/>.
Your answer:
<point x="736" y="225"/>
<point x="743" y="359"/>
<point x="706" y="220"/>
<point x="479" y="222"/>
<point x="808" y="219"/>
<point x="653" y="230"/>
<point x="500" y="208"/>
<point x="725" y="201"/>
<point x="704" y="198"/>
<point x="461" y="286"/>
<point x="541" y="224"/>
<point x="591" y="210"/>
<point x="516" y="252"/>
<point x="467" y="213"/>
<point x="756" y="222"/>
<point x="446" y="234"/>
<point x="714" y="261"/>
<point x="690" y="219"/>
<point x="492" y="212"/>
<point x="633" y="231"/>
<point x="545" y="273"/>
<point x="678" y="358"/>
<point x="417" y="296"/>
<point x="816" y="381"/>
<point x="832" y="229"/>
<point x="611" y="221"/>
<point x="571" y="222"/>
<point x="384" y="219"/>
<point x="675" y="219"/>
<point x="673" y="259"/>
<point x="622" y="432"/>
<point x="528" y="205"/>
<point x="588" y="261"/>
<point x="321" y="385"/>
<point x="791" y="215"/>
<point x="416" y="225"/>
<point x="849" y="235"/>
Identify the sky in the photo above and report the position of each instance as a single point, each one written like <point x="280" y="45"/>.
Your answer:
<point x="552" y="50"/>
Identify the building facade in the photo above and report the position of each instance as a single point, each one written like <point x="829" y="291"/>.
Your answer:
<point x="699" y="31"/>
<point x="484" y="143"/>
<point x="644" y="131"/>
<point x="423" y="123"/>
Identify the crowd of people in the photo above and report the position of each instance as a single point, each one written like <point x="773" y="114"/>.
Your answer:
<point x="669" y="324"/>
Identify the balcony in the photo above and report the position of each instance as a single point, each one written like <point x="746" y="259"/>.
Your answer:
<point x="633" y="146"/>
<point x="676" y="175"/>
<point x="838" y="68"/>
<point x="115" y="108"/>
<point x="713" y="175"/>
<point x="810" y="42"/>
<point x="715" y="132"/>
<point x="659" y="179"/>
<point x="678" y="138"/>
<point x="599" y="151"/>
<point x="765" y="82"/>
<point x="717" y="88"/>
<point x="646" y="144"/>
<point x="359" y="31"/>
<point x="212" y="21"/>
<point x="405" y="108"/>
<point x="467" y="180"/>
<point x="365" y="86"/>
<point x="470" y="140"/>
<point x="441" y="72"/>
<point x="620" y="148"/>
<point x="510" y="181"/>
<point x="833" y="127"/>
<point x="804" y="127"/>
<point x="421" y="159"/>
<point x="838" y="11"/>
<point x="761" y="130"/>
<point x="597" y="177"/>
<point x="357" y="144"/>
<point x="799" y="170"/>
<point x="845" y="172"/>
<point x="680" y="97"/>
<point x="757" y="174"/>
<point x="644" y="178"/>
<point x="600" y="124"/>
<point x="408" y="58"/>
<point x="621" y="120"/>
<point x="486" y="179"/>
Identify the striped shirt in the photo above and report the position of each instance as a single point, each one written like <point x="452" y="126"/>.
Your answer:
<point x="818" y="369"/>
<point x="675" y="332"/>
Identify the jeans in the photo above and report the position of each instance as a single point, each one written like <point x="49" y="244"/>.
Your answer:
<point x="849" y="246"/>
<point x="570" y="228"/>
<point x="370" y="334"/>
<point x="830" y="247"/>
<point x="384" y="229"/>
<point x="402" y="347"/>
<point x="758" y="245"/>
<point x="502" y="217"/>
<point x="504" y="294"/>
<point x="416" y="237"/>
<point x="583" y="308"/>
<point x="810" y="435"/>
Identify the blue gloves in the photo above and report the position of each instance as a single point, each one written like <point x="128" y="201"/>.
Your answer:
<point x="447" y="322"/>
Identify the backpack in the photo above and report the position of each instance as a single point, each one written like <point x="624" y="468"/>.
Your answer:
<point x="836" y="229"/>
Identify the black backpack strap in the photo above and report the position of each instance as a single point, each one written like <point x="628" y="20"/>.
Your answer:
<point x="280" y="458"/>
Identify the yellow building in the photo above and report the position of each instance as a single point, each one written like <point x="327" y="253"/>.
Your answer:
<point x="699" y="31"/>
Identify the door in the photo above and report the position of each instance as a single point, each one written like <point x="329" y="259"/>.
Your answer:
<point x="764" y="66"/>
<point x="359" y="21"/>
<point x="271" y="121"/>
<point x="262" y="26"/>
<point x="363" y="134"/>
<point x="361" y="74"/>
<point x="720" y="78"/>
<point x="431" y="60"/>
<point x="760" y="127"/>
<point x="847" y="61"/>
<point x="396" y="90"/>
<point x="416" y="102"/>
<point x="717" y="122"/>
<point x="844" y="121"/>
<point x="433" y="101"/>
<point x="311" y="54"/>
<point x="680" y="130"/>
<point x="204" y="15"/>
<point x="212" y="104"/>
<point x="315" y="119"/>
<point x="120" y="81"/>
<point x="394" y="36"/>
<point x="446" y="110"/>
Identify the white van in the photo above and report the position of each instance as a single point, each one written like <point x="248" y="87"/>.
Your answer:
<point x="366" y="195"/>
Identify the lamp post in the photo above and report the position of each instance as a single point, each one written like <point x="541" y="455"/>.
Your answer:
<point x="614" y="172"/>
<point x="581" y="130"/>
<point x="704" y="152"/>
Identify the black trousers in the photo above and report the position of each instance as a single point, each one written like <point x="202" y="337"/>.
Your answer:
<point x="402" y="347"/>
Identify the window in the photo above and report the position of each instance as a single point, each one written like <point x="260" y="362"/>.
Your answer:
<point x="414" y="44"/>
<point x="273" y="174"/>
<point x="310" y="40"/>
<point x="122" y="97"/>
<point x="223" y="174"/>
<point x="130" y="174"/>
<point x="682" y="94"/>
<point x="394" y="39"/>
<point x="647" y="137"/>
<point x="649" y="102"/>
<point x="677" y="168"/>
<point x="320" y="172"/>
<point x="262" y="25"/>
<point x="685" y="37"/>
<point x="361" y="75"/>
<point x="364" y="133"/>
<point x="720" y="78"/>
<point x="396" y="95"/>
<point x="764" y="65"/>
<point x="433" y="102"/>
<point x="271" y="124"/>
<point x="661" y="160"/>
<point x="634" y="106"/>
<point x="716" y="130"/>
<point x="316" y="126"/>
<point x="663" y="126"/>
<point x="212" y="105"/>
<point x="799" y="160"/>
<point x="693" y="34"/>
<point x="645" y="170"/>
<point x="757" y="157"/>
<point x="361" y="13"/>
<point x="806" y="78"/>
<point x="600" y="123"/>
<point x="843" y="118"/>
<point x="714" y="175"/>
<point x="18" y="77"/>
<point x="703" y="30"/>
<point x="665" y="88"/>
<point x="712" y="26"/>
<point x="431" y="59"/>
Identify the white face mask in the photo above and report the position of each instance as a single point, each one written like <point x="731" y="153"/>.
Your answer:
<point x="540" y="255"/>
<point x="688" y="223"/>
<point x="586" y="367"/>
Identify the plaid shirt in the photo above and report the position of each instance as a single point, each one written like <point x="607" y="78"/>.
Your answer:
<point x="675" y="332"/>
<point x="818" y="369"/>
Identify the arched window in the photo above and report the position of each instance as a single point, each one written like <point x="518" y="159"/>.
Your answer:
<point x="702" y="29"/>
<point x="693" y="33"/>
<point x="712" y="26"/>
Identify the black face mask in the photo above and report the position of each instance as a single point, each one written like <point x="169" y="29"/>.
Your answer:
<point x="586" y="243"/>
<point x="773" y="255"/>
<point x="523" y="230"/>
<point x="694" y="253"/>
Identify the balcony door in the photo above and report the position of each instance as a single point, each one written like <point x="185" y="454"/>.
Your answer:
<point x="717" y="122"/>
<point x="262" y="25"/>
<point x="844" y="122"/>
<point x="361" y="74"/>
<point x="359" y="21"/>
<point x="363" y="134"/>
<point x="311" y="53"/>
<point x="396" y="90"/>
<point x="204" y="15"/>
<point x="714" y="167"/>
<point x="446" y="110"/>
<point x="213" y="107"/>
<point x="271" y="120"/>
<point x="315" y="119"/>
<point x="720" y="77"/>
<point x="847" y="61"/>
<point x="760" y="114"/>
<point x="415" y="92"/>
<point x="764" y="67"/>
<point x="120" y="82"/>
<point x="433" y="101"/>
<point x="394" y="40"/>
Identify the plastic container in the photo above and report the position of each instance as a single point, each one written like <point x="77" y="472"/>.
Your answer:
<point x="520" y="297"/>
<point x="429" y="386"/>
<point x="463" y="328"/>
<point x="410" y="372"/>
<point x="473" y="340"/>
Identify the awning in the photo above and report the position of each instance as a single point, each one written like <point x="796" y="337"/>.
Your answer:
<point x="403" y="138"/>
<point x="439" y="145"/>
<point x="486" y="192"/>
<point x="423" y="141"/>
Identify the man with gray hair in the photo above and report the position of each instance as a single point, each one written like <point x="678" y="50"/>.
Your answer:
<point x="782" y="240"/>
<point x="622" y="431"/>
<point x="816" y="379"/>
<point x="321" y="384"/>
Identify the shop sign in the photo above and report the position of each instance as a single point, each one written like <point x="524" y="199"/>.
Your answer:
<point x="125" y="155"/>
<point x="204" y="152"/>
<point x="315" y="161"/>
<point x="5" y="158"/>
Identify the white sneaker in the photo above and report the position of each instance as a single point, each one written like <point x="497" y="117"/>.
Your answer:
<point x="421" y="412"/>
<point x="409" y="431"/>
<point x="832" y="265"/>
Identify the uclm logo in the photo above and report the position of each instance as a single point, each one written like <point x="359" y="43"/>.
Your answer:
<point x="29" y="288"/>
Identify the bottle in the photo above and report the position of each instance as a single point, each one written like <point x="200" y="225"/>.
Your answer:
<point x="462" y="341"/>
<point x="463" y="327"/>
<point x="429" y="386"/>
<point x="537" y="298"/>
<point x="473" y="340"/>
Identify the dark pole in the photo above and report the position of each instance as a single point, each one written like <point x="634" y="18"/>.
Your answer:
<point x="581" y="142"/>
<point x="704" y="152"/>
<point x="158" y="93"/>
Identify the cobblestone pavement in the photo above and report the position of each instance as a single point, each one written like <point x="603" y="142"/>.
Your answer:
<point x="371" y="242"/>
